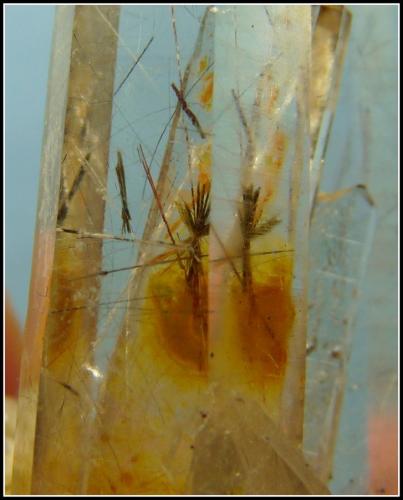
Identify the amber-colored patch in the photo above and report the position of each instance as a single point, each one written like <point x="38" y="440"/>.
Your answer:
<point x="104" y="437"/>
<point x="203" y="63"/>
<point x="265" y="322"/>
<point x="275" y="159"/>
<point x="203" y="164"/>
<point x="126" y="478"/>
<point x="206" y="94"/>
<point x="265" y="317"/>
<point x="179" y="325"/>
<point x="273" y="99"/>
<point x="274" y="162"/>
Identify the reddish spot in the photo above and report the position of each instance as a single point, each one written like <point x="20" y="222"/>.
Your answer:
<point x="383" y="452"/>
<point x="126" y="478"/>
<point x="104" y="437"/>
<point x="181" y="327"/>
<point x="265" y="321"/>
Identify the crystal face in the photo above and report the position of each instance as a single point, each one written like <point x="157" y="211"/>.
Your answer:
<point x="341" y="235"/>
<point x="170" y="355"/>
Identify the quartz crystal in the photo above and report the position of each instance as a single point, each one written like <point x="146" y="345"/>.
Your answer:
<point x="166" y="337"/>
<point x="341" y="235"/>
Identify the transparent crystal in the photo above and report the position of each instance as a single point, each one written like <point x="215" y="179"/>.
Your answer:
<point x="165" y="342"/>
<point x="342" y="229"/>
<point x="329" y="44"/>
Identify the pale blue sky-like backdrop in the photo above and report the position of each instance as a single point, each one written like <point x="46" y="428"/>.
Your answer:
<point x="28" y="39"/>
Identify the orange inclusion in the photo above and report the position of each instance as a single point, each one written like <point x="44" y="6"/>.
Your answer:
<point x="178" y="325"/>
<point x="279" y="149"/>
<point x="273" y="98"/>
<point x="274" y="163"/>
<point x="13" y="350"/>
<point x="265" y="318"/>
<point x="203" y="64"/>
<point x="126" y="478"/>
<point x="204" y="165"/>
<point x="204" y="178"/>
<point x="206" y="94"/>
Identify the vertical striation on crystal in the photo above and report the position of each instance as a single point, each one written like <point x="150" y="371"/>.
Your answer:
<point x="341" y="236"/>
<point x="329" y="44"/>
<point x="259" y="207"/>
<point x="65" y="399"/>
